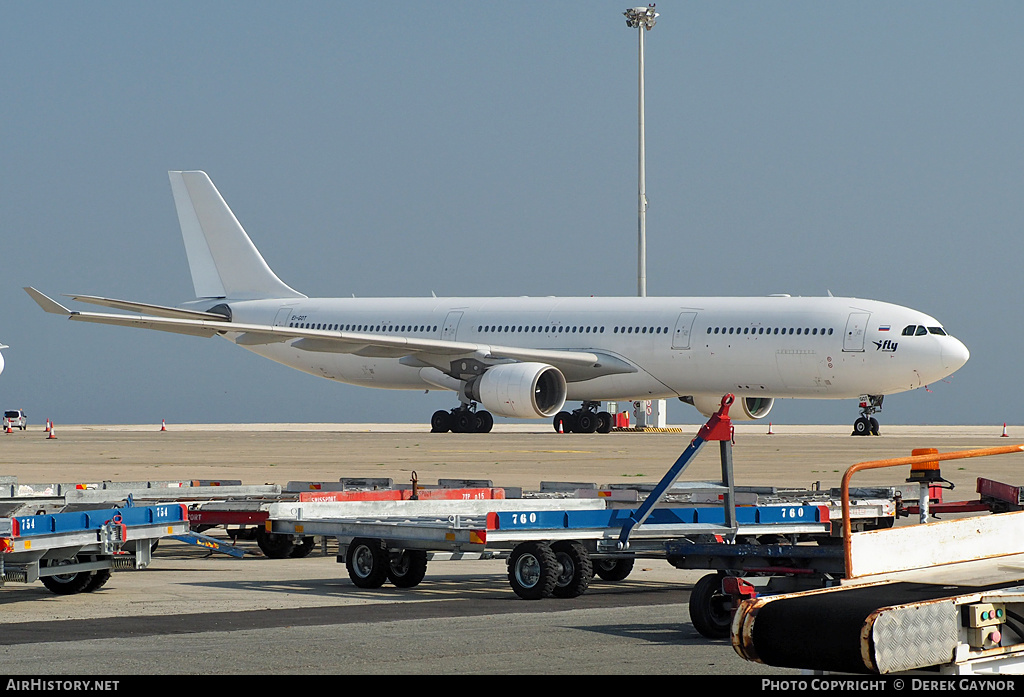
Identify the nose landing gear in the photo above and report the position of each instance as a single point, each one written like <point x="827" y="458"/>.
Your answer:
<point x="867" y="425"/>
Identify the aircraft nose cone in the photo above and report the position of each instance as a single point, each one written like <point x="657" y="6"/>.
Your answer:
<point x="954" y="354"/>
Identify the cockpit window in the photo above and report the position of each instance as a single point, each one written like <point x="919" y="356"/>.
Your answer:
<point x="921" y="330"/>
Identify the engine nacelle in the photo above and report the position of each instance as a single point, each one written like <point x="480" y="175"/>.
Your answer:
<point x="520" y="390"/>
<point x="749" y="408"/>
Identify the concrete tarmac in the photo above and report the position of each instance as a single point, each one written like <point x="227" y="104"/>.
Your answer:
<point x="191" y="613"/>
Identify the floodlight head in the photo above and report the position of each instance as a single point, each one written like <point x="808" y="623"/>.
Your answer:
<point x="641" y="17"/>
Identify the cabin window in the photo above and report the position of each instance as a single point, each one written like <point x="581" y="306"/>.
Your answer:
<point x="937" y="330"/>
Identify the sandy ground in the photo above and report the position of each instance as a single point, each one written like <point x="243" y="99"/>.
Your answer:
<point x="512" y="455"/>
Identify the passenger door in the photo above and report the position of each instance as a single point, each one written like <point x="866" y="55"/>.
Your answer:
<point x="681" y="334"/>
<point x="451" y="326"/>
<point x="283" y="315"/>
<point x="856" y="326"/>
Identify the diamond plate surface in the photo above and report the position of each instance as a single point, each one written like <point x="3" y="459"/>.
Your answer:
<point x="914" y="636"/>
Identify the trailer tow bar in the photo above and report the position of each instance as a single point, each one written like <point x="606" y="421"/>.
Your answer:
<point x="719" y="427"/>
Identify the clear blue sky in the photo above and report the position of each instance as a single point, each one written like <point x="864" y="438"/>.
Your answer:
<point x="871" y="149"/>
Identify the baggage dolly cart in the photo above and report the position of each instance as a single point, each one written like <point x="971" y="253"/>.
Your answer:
<point x="75" y="552"/>
<point x="553" y="548"/>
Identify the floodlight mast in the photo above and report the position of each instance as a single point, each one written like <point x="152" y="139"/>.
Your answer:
<point x="641" y="18"/>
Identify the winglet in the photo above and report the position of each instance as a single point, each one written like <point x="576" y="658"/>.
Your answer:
<point x="47" y="303"/>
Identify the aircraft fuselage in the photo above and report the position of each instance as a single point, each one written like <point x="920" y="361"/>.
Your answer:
<point x="823" y="347"/>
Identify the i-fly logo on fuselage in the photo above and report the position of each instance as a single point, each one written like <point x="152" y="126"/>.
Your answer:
<point x="887" y="345"/>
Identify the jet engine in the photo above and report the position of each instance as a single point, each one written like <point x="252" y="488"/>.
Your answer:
<point x="750" y="408"/>
<point x="520" y="390"/>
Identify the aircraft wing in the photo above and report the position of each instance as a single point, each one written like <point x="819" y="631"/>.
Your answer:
<point x="199" y="324"/>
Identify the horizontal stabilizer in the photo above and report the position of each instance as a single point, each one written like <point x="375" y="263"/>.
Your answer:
<point x="157" y="310"/>
<point x="46" y="302"/>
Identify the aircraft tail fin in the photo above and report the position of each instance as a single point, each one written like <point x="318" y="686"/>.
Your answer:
<point x="223" y="260"/>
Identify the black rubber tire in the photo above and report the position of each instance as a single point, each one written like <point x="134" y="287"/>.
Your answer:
<point x="874" y="426"/>
<point x="532" y="570"/>
<point x="463" y="421"/>
<point x="408" y="568"/>
<point x="302" y="548"/>
<point x="586" y="422"/>
<point x="862" y="427"/>
<point x="614" y="569"/>
<point x="274" y="545"/>
<point x="99" y="578"/>
<point x="576" y="569"/>
<point x="563" y="419"/>
<point x="368" y="562"/>
<point x="67" y="584"/>
<point x="710" y="608"/>
<point x="604" y="422"/>
<point x="484" y="422"/>
<point x="440" y="422"/>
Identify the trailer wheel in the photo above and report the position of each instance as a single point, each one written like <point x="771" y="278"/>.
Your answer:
<point x="710" y="608"/>
<point x="99" y="577"/>
<point x="614" y="569"/>
<point x="66" y="584"/>
<point x="532" y="570"/>
<point x="303" y="547"/>
<point x="274" y="545"/>
<point x="408" y="568"/>
<point x="576" y="569"/>
<point x="367" y="562"/>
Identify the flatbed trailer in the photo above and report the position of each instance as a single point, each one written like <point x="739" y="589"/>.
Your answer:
<point x="555" y="547"/>
<point x="239" y="509"/>
<point x="76" y="552"/>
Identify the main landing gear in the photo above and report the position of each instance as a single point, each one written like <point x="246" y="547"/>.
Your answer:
<point x="586" y="419"/>
<point x="462" y="419"/>
<point x="867" y="425"/>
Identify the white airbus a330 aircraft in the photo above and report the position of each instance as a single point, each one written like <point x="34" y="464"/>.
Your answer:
<point x="525" y="357"/>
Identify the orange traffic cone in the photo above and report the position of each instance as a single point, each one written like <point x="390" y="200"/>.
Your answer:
<point x="1005" y="434"/>
<point x="163" y="424"/>
<point x="770" y="429"/>
<point x="559" y="427"/>
<point x="51" y="436"/>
